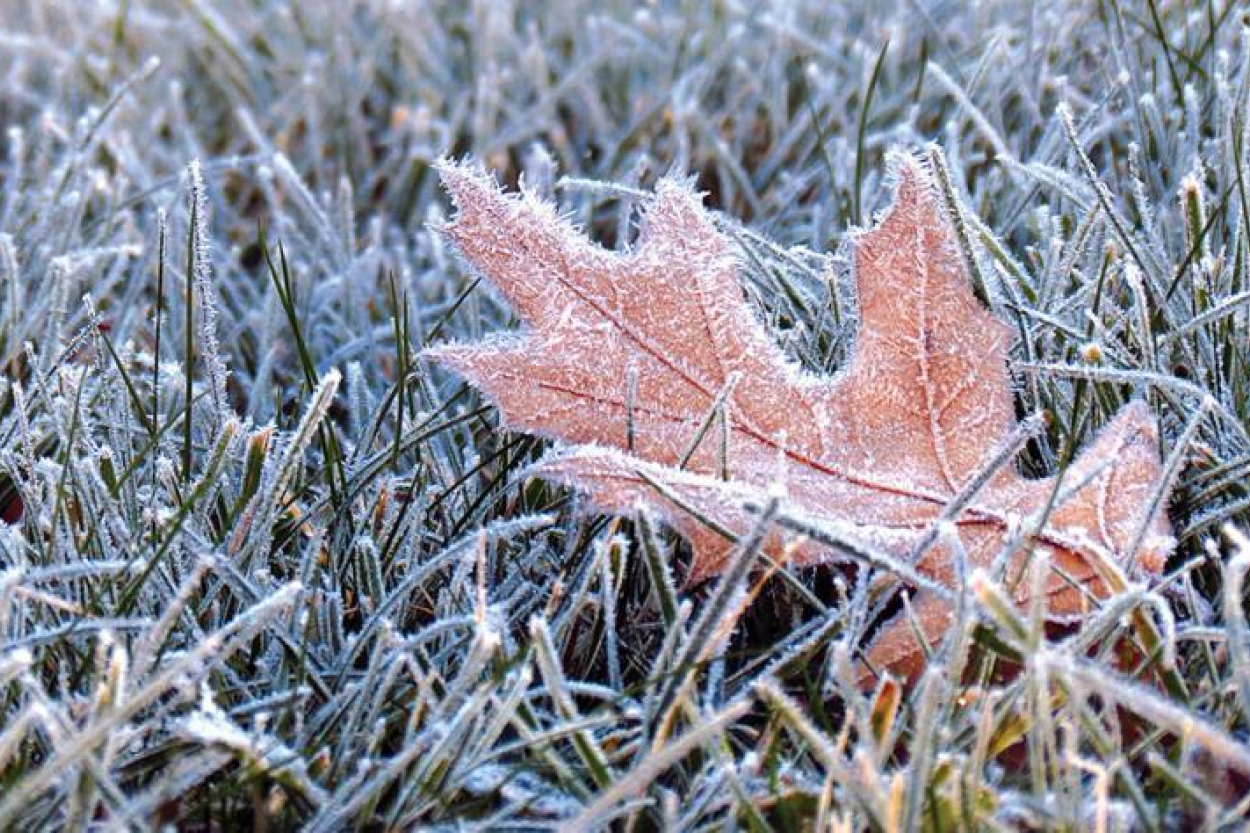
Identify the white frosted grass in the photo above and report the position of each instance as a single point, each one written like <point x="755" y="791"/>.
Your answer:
<point x="285" y="468"/>
<point x="11" y="286"/>
<point x="1238" y="635"/>
<point x="205" y="293"/>
<point x="320" y="126"/>
<point x="1145" y="377"/>
<point x="710" y="632"/>
<point x="332" y="244"/>
<point x="150" y="644"/>
<point x="191" y="664"/>
<point x="929" y="703"/>
<point x="821" y="746"/>
<point x="608" y="804"/>
<point x="210" y="727"/>
<point x="557" y="688"/>
<point x="1142" y="700"/>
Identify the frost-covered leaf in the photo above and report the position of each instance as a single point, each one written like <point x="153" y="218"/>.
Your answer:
<point x="629" y="357"/>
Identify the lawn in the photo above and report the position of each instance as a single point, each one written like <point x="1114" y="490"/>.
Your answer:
<point x="267" y="563"/>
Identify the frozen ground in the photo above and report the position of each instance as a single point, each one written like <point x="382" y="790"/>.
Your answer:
<point x="303" y="585"/>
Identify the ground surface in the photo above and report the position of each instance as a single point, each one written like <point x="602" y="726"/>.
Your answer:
<point x="302" y="584"/>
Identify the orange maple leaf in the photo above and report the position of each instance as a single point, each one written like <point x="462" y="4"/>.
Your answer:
<point x="628" y="355"/>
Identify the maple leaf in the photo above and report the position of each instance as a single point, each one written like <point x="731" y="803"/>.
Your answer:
<point x="627" y="355"/>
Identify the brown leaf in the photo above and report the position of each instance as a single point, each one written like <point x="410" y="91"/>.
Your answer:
<point x="626" y="356"/>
